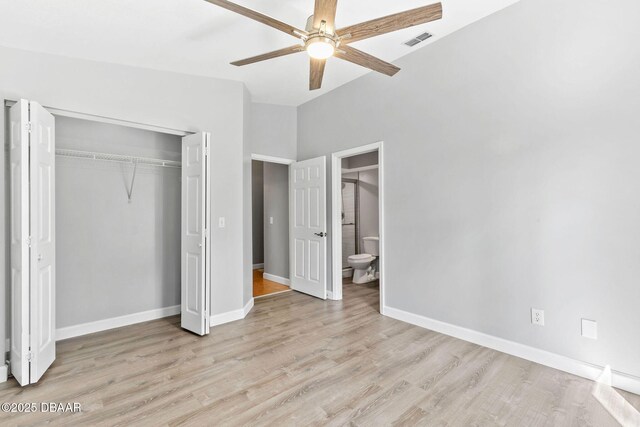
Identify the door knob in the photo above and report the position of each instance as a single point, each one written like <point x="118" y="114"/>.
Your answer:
<point x="321" y="234"/>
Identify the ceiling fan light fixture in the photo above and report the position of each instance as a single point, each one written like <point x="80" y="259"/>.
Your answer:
<point x="320" y="47"/>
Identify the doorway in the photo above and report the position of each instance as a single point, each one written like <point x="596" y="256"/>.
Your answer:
<point x="270" y="225"/>
<point x="357" y="220"/>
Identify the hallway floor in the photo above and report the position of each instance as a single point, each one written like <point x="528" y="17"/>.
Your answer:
<point x="262" y="286"/>
<point x="298" y="360"/>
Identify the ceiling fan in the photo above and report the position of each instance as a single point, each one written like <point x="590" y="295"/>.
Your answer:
<point x="322" y="40"/>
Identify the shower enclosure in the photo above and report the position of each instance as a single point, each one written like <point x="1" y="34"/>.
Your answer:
<point x="350" y="217"/>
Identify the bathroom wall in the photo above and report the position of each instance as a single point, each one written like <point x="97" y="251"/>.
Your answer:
<point x="257" y="210"/>
<point x="349" y="246"/>
<point x="361" y="160"/>
<point x="369" y="213"/>
<point x="369" y="219"/>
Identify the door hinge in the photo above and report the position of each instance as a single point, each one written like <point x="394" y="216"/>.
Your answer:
<point x="29" y="356"/>
<point x="28" y="127"/>
<point x="29" y="241"/>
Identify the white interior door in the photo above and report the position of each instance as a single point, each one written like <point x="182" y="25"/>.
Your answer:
<point x="43" y="273"/>
<point x="195" y="228"/>
<point x="307" y="219"/>
<point x="19" y="160"/>
<point x="32" y="158"/>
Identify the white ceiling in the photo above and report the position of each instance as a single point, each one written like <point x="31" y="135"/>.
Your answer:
<point x="195" y="37"/>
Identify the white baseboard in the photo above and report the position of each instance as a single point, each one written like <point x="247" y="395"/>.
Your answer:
<point x="247" y="307"/>
<point x="230" y="316"/>
<point x="277" y="279"/>
<point x="586" y="370"/>
<point x="4" y="373"/>
<point x="115" y="322"/>
<point x="255" y="266"/>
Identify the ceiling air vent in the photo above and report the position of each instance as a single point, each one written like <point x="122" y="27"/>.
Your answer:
<point x="418" y="39"/>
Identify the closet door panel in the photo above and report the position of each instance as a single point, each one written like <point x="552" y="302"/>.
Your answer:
<point x="19" y="235"/>
<point x="194" y="222"/>
<point x="43" y="301"/>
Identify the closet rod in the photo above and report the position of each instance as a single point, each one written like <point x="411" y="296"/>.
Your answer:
<point x="117" y="158"/>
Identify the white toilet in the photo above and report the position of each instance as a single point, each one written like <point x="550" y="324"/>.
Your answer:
<point x="362" y="264"/>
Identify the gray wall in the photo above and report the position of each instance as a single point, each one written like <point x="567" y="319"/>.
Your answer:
<point x="109" y="250"/>
<point x="164" y="99"/>
<point x="511" y="173"/>
<point x="273" y="130"/>
<point x="276" y="206"/>
<point x="257" y="204"/>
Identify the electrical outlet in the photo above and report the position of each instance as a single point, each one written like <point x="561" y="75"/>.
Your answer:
<point x="270" y="220"/>
<point x="221" y="222"/>
<point x="537" y="317"/>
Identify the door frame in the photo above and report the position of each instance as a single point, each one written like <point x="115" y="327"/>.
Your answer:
<point x="110" y="120"/>
<point x="336" y="228"/>
<point x="267" y="159"/>
<point x="272" y="159"/>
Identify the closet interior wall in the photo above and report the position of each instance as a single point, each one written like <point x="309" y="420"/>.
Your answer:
<point x="115" y="257"/>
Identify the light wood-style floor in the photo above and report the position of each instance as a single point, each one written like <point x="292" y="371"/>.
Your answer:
<point x="262" y="286"/>
<point x="297" y="360"/>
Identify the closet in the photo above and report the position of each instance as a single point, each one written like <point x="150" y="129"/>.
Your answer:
<point x="109" y="224"/>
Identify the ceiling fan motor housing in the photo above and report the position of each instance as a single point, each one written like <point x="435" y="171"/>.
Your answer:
<point x="309" y="27"/>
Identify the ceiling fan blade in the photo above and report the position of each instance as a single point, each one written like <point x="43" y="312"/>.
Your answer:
<point x="325" y="10"/>
<point x="316" y="74"/>
<point x="390" y="23"/>
<point x="270" y="55"/>
<point x="257" y="16"/>
<point x="356" y="56"/>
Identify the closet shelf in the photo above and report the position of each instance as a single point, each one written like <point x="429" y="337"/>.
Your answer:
<point x="117" y="158"/>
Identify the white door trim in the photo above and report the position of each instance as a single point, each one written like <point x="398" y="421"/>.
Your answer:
<point x="272" y="159"/>
<point x="336" y="229"/>
<point x="110" y="120"/>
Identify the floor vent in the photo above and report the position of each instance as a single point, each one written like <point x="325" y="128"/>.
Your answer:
<point x="419" y="39"/>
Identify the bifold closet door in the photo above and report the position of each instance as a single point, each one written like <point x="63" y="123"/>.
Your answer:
<point x="308" y="227"/>
<point x="32" y="159"/>
<point x="19" y="199"/>
<point x="195" y="230"/>
<point x="43" y="248"/>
